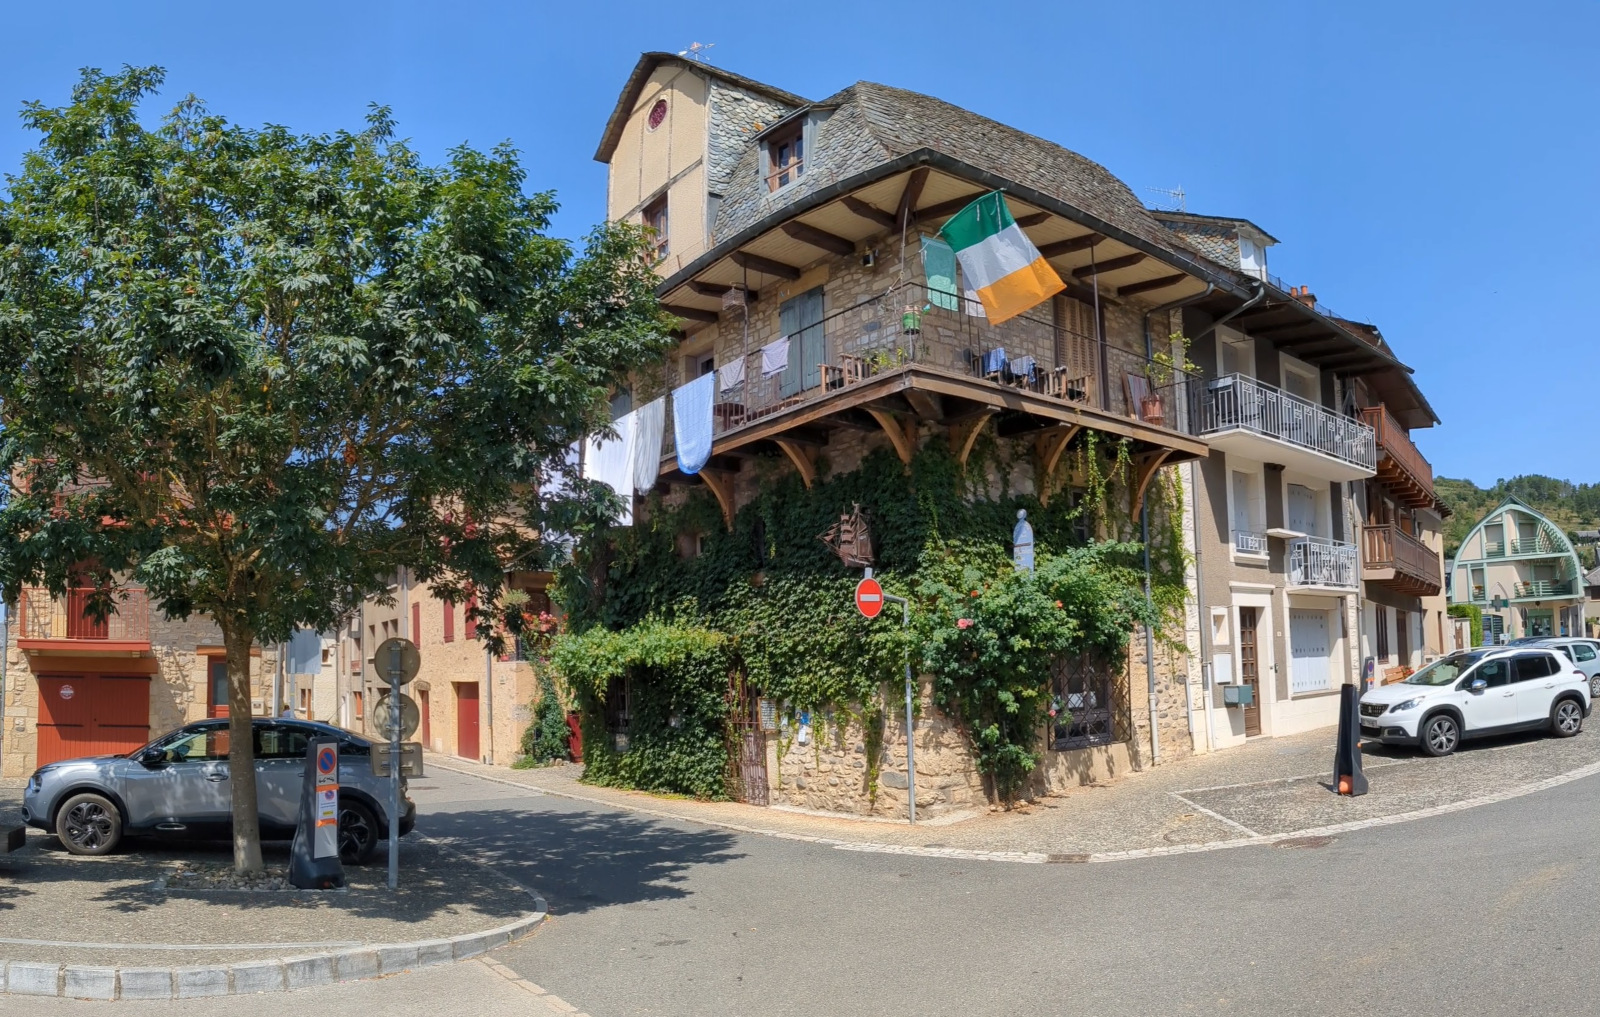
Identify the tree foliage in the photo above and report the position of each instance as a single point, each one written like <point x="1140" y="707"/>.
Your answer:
<point x="258" y="371"/>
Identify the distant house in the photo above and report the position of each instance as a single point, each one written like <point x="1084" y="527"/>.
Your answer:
<point x="1523" y="572"/>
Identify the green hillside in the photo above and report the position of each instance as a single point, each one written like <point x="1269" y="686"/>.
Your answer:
<point x="1570" y="506"/>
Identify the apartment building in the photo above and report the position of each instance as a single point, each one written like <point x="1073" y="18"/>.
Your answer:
<point x="1524" y="574"/>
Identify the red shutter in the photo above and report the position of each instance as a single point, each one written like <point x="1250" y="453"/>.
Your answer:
<point x="472" y="625"/>
<point x="416" y="622"/>
<point x="449" y="621"/>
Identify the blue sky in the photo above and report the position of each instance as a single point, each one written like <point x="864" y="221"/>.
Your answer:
<point x="1428" y="166"/>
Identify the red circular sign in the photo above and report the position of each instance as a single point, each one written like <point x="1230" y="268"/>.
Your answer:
<point x="66" y="692"/>
<point x="869" y="597"/>
<point x="325" y="760"/>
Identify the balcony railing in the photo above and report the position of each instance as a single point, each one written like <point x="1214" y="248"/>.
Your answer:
<point x="1395" y="443"/>
<point x="1390" y="547"/>
<point x="1544" y="589"/>
<point x="1318" y="561"/>
<point x="1236" y="401"/>
<point x="911" y="325"/>
<point x="42" y="616"/>
<point x="1249" y="542"/>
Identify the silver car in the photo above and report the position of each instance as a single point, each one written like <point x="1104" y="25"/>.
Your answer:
<point x="1585" y="653"/>
<point x="179" y="784"/>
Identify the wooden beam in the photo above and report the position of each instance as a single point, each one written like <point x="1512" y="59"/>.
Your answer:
<point x="706" y="289"/>
<point x="926" y="404"/>
<point x="1145" y="467"/>
<point x="804" y="459"/>
<point x="945" y="209"/>
<point x="1109" y="265"/>
<point x="721" y="486"/>
<point x="1032" y="219"/>
<point x="907" y="209"/>
<point x="871" y="212"/>
<point x="1049" y="447"/>
<point x="690" y="313"/>
<point x="964" y="433"/>
<point x="766" y="266"/>
<point x="830" y="242"/>
<point x="1061" y="247"/>
<point x="1150" y="284"/>
<point x="901" y="435"/>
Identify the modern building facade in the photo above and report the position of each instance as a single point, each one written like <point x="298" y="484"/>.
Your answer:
<point x="1524" y="574"/>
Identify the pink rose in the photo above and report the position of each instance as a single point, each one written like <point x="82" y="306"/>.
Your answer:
<point x="963" y="623"/>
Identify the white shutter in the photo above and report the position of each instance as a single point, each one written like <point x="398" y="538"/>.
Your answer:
<point x="1308" y="650"/>
<point x="1302" y="509"/>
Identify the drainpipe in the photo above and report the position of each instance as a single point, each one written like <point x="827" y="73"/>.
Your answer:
<point x="488" y="699"/>
<point x="1144" y="536"/>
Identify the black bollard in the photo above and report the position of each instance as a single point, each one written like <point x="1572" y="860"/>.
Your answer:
<point x="1347" y="774"/>
<point x="314" y="856"/>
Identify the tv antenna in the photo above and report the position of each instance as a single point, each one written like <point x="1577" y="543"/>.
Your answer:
<point x="1174" y="198"/>
<point x="697" y="52"/>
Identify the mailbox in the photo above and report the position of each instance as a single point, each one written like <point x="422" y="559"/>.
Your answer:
<point x="1238" y="695"/>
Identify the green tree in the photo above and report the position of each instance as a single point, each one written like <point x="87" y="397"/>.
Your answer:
<point x="258" y="371"/>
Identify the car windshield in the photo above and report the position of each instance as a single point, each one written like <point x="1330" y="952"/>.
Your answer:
<point x="1445" y="670"/>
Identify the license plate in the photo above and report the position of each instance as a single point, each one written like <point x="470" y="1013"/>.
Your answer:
<point x="1371" y="729"/>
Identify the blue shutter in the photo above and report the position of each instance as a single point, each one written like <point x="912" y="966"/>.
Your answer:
<point x="800" y="319"/>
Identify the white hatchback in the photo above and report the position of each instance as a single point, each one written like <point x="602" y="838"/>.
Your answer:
<point x="1475" y="693"/>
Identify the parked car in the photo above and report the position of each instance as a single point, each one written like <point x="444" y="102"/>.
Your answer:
<point x="1585" y="653"/>
<point x="1478" y="692"/>
<point x="179" y="784"/>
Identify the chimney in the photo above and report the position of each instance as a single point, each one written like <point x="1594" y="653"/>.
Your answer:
<point x="1304" y="295"/>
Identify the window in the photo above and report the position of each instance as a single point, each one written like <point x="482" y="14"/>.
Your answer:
<point x="1380" y="633"/>
<point x="1494" y="672"/>
<point x="621" y="402"/>
<point x="357" y="704"/>
<point x="1235" y="355"/>
<point x="305" y="703"/>
<point x="1301" y="381"/>
<point x="416" y="621"/>
<point x="207" y="745"/>
<point x="786" y="158"/>
<point x="1249" y="514"/>
<point x="282" y="741"/>
<point x="1303" y="510"/>
<point x="1402" y="636"/>
<point x="655" y="222"/>
<point x="1583" y="651"/>
<point x="1530" y="666"/>
<point x="449" y="621"/>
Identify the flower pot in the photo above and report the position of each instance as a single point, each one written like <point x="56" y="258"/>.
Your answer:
<point x="1150" y="410"/>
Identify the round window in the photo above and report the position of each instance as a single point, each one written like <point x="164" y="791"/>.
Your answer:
<point x="658" y="113"/>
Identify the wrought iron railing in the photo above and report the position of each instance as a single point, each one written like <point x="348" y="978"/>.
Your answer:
<point x="1318" y="561"/>
<point x="126" y="617"/>
<point x="1249" y="542"/>
<point x="1239" y="402"/>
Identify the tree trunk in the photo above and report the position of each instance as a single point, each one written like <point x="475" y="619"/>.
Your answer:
<point x="236" y="640"/>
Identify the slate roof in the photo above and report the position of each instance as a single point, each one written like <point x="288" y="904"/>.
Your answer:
<point x="873" y="124"/>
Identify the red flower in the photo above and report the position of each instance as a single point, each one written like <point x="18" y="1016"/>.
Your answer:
<point x="963" y="623"/>
<point x="1058" y="603"/>
<point x="974" y="593"/>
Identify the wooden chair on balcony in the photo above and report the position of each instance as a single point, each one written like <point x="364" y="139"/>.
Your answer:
<point x="850" y="370"/>
<point x="1063" y="384"/>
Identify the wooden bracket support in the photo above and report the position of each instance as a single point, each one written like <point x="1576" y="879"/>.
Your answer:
<point x="902" y="435"/>
<point x="1049" y="447"/>
<point x="964" y="433"/>
<point x="1145" y="467"/>
<point x="721" y="485"/>
<point x="804" y="458"/>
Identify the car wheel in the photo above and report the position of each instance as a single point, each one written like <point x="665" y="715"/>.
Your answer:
<point x="1594" y="687"/>
<point x="89" y="824"/>
<point x="358" y="832"/>
<point x="1567" y="719"/>
<point x="1440" y="735"/>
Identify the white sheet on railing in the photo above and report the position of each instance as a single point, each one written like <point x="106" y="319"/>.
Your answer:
<point x="775" y="357"/>
<point x="691" y="421"/>
<point x="610" y="461"/>
<point x="731" y="374"/>
<point x="649" y="424"/>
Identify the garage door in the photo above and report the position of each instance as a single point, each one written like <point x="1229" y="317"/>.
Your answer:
<point x="92" y="715"/>
<point x="1308" y="649"/>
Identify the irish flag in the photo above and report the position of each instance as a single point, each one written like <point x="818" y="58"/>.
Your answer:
<point x="998" y="259"/>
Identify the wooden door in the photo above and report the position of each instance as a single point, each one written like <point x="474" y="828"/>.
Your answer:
<point x="467" y="719"/>
<point x="90" y="715"/>
<point x="1249" y="669"/>
<point x="1402" y="637"/>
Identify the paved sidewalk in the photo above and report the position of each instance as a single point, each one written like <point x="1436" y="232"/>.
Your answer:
<point x="1269" y="788"/>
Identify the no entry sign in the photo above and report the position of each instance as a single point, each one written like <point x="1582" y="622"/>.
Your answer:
<point x="869" y="597"/>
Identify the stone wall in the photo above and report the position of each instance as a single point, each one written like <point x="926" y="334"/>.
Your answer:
<point x="735" y="116"/>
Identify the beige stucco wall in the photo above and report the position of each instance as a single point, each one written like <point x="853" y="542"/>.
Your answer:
<point x="645" y="160"/>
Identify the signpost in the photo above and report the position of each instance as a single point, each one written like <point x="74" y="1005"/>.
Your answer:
<point x="870" y="599"/>
<point x="325" y="842"/>
<point x="397" y="661"/>
<point x="314" y="862"/>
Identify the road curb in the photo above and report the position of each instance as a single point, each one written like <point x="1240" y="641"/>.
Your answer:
<point x="373" y="960"/>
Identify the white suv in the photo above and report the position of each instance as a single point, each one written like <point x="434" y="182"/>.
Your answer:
<point x="1478" y="692"/>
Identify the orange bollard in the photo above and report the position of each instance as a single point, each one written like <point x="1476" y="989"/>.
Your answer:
<point x="1344" y="785"/>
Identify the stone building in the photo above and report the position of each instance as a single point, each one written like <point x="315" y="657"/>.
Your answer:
<point x="78" y="685"/>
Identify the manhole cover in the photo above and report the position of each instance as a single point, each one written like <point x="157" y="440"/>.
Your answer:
<point x="1067" y="859"/>
<point x="1304" y="842"/>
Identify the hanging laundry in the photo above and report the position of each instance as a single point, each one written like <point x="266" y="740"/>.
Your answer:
<point x="939" y="264"/>
<point x="649" y="423"/>
<point x="731" y="374"/>
<point x="775" y="357"/>
<point x="972" y="305"/>
<point x="691" y="422"/>
<point x="610" y="461"/>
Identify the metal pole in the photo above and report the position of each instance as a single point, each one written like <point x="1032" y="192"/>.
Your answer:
<point x="911" y="749"/>
<point x="394" y="766"/>
<point x="488" y="698"/>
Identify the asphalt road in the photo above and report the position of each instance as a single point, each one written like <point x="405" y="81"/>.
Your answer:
<point x="1488" y="911"/>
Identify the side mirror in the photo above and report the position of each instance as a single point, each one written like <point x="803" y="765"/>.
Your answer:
<point x="151" y="757"/>
<point x="1477" y="685"/>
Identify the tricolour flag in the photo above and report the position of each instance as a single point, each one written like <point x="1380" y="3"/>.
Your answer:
<point x="998" y="259"/>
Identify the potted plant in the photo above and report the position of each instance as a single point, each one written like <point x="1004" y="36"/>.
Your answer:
<point x="1162" y="368"/>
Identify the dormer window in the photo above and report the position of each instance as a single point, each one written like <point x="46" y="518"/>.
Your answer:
<point x="655" y="221"/>
<point x="786" y="157"/>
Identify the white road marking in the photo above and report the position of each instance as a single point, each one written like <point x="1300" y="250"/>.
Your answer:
<point x="1219" y="817"/>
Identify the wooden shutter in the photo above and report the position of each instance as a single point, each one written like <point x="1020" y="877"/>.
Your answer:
<point x="800" y="318"/>
<point x="449" y="621"/>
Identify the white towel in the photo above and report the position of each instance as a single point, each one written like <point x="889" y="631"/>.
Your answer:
<point x="610" y="461"/>
<point x="731" y="374"/>
<point x="775" y="357"/>
<point x="650" y="420"/>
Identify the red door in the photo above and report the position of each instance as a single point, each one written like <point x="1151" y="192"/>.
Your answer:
<point x="92" y="715"/>
<point x="467" y="719"/>
<point x="217" y="688"/>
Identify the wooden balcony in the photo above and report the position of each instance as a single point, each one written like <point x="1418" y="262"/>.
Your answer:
<point x="1399" y="561"/>
<point x="70" y="624"/>
<point x="1400" y="466"/>
<point x="900" y="360"/>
